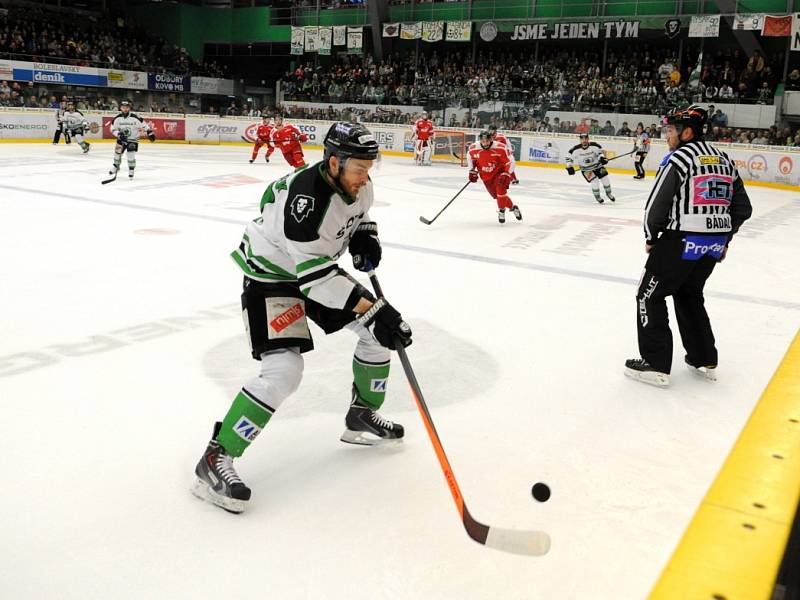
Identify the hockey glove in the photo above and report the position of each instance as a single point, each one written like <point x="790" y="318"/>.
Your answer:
<point x="122" y="139"/>
<point x="503" y="181"/>
<point x="151" y="136"/>
<point x="365" y="247"/>
<point x="386" y="324"/>
<point x="571" y="170"/>
<point x="473" y="176"/>
<point x="603" y="160"/>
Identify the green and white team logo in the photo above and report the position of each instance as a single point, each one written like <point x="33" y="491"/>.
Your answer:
<point x="301" y="206"/>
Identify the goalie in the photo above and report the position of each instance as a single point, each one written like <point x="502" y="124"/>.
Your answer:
<point x="423" y="137"/>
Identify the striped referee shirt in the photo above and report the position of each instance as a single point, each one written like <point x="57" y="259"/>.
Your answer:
<point x="697" y="190"/>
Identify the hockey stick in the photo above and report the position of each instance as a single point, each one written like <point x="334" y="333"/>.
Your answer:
<point x="116" y="169"/>
<point x="621" y="155"/>
<point x="110" y="179"/>
<point x="427" y="222"/>
<point x="515" y="541"/>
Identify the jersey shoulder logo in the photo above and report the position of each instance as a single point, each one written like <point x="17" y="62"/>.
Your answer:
<point x="301" y="206"/>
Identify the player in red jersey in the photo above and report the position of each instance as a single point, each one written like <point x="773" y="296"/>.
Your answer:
<point x="263" y="134"/>
<point x="499" y="137"/>
<point x="287" y="138"/>
<point x="488" y="160"/>
<point x="423" y="135"/>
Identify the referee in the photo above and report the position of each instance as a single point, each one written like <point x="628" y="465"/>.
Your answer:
<point x="697" y="204"/>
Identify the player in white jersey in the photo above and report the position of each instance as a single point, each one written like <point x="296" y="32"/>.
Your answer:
<point x="60" y="128"/>
<point x="127" y="127"/>
<point x="309" y="218"/>
<point x="591" y="159"/>
<point x="76" y="124"/>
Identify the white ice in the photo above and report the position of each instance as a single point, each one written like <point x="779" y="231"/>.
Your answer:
<point x="122" y="343"/>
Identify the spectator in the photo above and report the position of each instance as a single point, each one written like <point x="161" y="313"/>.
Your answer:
<point x="608" y="129"/>
<point x="719" y="118"/>
<point x="624" y="131"/>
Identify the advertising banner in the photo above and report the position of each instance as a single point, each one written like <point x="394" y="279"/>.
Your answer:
<point x="212" y="85"/>
<point x="131" y="80"/>
<point x="16" y="125"/>
<point x="53" y="73"/>
<point x="167" y="82"/>
<point x="68" y="74"/>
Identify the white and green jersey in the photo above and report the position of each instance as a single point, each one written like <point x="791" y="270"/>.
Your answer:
<point x="304" y="227"/>
<point x="587" y="159"/>
<point x="130" y="126"/>
<point x="74" y="120"/>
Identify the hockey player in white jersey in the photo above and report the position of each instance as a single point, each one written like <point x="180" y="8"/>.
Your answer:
<point x="76" y="125"/>
<point x="591" y="160"/>
<point x="288" y="255"/>
<point x="127" y="127"/>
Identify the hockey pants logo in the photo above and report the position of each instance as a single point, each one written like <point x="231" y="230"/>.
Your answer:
<point x="651" y="287"/>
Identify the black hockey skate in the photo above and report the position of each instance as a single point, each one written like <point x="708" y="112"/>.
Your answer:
<point x="611" y="197"/>
<point x="251" y="160"/>
<point x="367" y="427"/>
<point x="640" y="370"/>
<point x="501" y="215"/>
<point x="217" y="481"/>
<point x="599" y="199"/>
<point x="517" y="213"/>
<point x="130" y="173"/>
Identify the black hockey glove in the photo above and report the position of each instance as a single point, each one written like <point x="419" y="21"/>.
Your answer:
<point x="603" y="160"/>
<point x="151" y="136"/>
<point x="386" y="324"/>
<point x="365" y="247"/>
<point x="122" y="139"/>
<point x="570" y="170"/>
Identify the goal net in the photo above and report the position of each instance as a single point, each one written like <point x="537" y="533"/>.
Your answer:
<point x="450" y="146"/>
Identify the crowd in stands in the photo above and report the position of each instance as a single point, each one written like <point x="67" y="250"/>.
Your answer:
<point x="39" y="35"/>
<point x="643" y="80"/>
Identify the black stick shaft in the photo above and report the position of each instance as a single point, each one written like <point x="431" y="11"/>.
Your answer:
<point x="428" y="222"/>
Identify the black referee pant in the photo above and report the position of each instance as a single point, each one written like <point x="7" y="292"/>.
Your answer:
<point x="666" y="273"/>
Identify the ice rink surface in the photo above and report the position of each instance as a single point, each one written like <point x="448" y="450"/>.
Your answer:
<point x="122" y="343"/>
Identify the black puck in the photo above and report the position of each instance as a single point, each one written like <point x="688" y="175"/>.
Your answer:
<point x="541" y="492"/>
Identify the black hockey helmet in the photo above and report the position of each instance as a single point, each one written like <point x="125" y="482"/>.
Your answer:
<point x="486" y="134"/>
<point x="693" y="116"/>
<point x="124" y="103"/>
<point x="583" y="135"/>
<point x="350" y="140"/>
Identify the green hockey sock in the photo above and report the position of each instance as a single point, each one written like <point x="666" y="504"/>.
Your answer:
<point x="370" y="381"/>
<point x="246" y="418"/>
